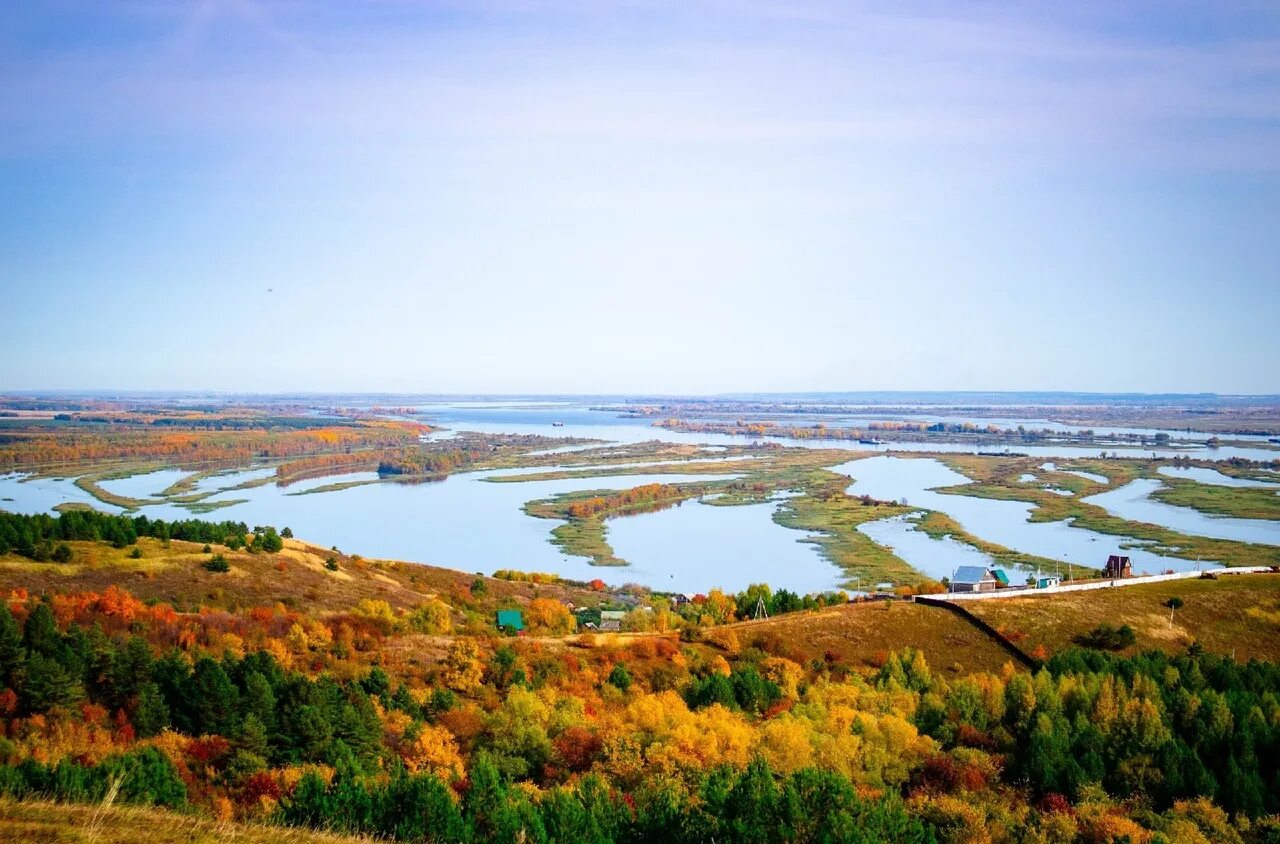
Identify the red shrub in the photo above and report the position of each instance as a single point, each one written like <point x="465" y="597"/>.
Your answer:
<point x="93" y="714"/>
<point x="969" y="736"/>
<point x="124" y="728"/>
<point x="259" y="785"/>
<point x="262" y="615"/>
<point x="208" y="749"/>
<point x="1053" y="802"/>
<point x="938" y="773"/>
<point x="644" y="649"/>
<point x="780" y="707"/>
<point x="578" y="748"/>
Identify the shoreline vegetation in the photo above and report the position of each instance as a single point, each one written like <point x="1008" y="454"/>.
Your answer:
<point x="998" y="479"/>
<point x="817" y="505"/>
<point x="941" y="432"/>
<point x="1211" y="415"/>
<point x="820" y="507"/>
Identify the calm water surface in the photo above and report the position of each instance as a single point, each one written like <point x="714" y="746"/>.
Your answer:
<point x="145" y="485"/>
<point x="1213" y="477"/>
<point x="579" y="421"/>
<point x="462" y="522"/>
<point x="1133" y="501"/>
<point x="683" y="549"/>
<point x="937" y="558"/>
<point x="1002" y="522"/>
<point x="466" y="523"/>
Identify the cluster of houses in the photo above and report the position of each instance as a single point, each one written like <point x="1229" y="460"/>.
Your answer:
<point x="512" y="621"/>
<point x="980" y="579"/>
<point x="965" y="579"/>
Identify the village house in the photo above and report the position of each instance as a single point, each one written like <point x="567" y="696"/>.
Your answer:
<point x="512" y="620"/>
<point x="1117" y="566"/>
<point x="611" y="620"/>
<point x="974" y="579"/>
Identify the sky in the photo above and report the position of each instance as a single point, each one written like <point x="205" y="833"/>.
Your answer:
<point x="693" y="196"/>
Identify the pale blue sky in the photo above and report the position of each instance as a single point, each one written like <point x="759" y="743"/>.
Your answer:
<point x="647" y="196"/>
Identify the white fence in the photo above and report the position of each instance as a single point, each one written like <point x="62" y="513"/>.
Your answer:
<point x="1022" y="592"/>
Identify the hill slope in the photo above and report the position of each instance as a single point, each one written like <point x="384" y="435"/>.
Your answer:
<point x="1238" y="614"/>
<point x="297" y="576"/>
<point x="38" y="822"/>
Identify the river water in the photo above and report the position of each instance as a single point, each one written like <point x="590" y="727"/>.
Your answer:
<point x="467" y="523"/>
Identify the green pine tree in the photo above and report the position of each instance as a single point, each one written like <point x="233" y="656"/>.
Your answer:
<point x="252" y="736"/>
<point x="152" y="713"/>
<point x="48" y="684"/>
<point x="13" y="656"/>
<point x="41" y="636"/>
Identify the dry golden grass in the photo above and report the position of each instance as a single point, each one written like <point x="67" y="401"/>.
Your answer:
<point x="1237" y="614"/>
<point x="38" y="822"/>
<point x="865" y="633"/>
<point x="296" y="576"/>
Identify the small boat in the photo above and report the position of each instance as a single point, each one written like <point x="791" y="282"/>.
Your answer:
<point x="872" y="441"/>
<point x="557" y="424"/>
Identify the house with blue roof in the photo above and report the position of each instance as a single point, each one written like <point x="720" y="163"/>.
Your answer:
<point x="974" y="579"/>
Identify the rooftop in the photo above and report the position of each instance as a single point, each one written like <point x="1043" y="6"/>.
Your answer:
<point x="970" y="574"/>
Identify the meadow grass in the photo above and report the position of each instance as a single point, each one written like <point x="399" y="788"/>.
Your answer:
<point x="1238" y="502"/>
<point x="996" y="478"/>
<point x="40" y="821"/>
<point x="1237" y="614"/>
<point x="863" y="634"/>
<point x="297" y="577"/>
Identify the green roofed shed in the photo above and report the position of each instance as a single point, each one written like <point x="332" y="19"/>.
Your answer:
<point x="511" y="619"/>
<point x="1001" y="576"/>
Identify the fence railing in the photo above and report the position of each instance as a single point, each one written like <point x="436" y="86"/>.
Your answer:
<point x="1024" y="591"/>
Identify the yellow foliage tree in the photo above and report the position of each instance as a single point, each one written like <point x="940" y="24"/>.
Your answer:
<point x="719" y="608"/>
<point x="549" y="617"/>
<point x="432" y="617"/>
<point x="297" y="639"/>
<point x="377" y="610"/>
<point x="786" y="674"/>
<point x="785" y="745"/>
<point x="725" y="640"/>
<point x="423" y="747"/>
<point x="462" y="670"/>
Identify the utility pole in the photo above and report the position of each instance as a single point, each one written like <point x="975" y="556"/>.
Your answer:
<point x="760" y="611"/>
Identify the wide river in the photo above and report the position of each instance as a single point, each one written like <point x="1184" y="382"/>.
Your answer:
<point x="467" y="523"/>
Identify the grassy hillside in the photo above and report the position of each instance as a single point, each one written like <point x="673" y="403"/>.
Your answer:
<point x="37" y="822"/>
<point x="297" y="577"/>
<point x="1238" y="614"/>
<point x="862" y="634"/>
